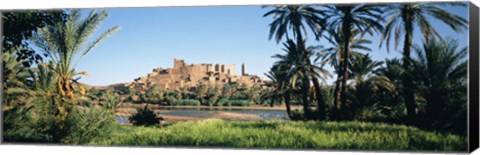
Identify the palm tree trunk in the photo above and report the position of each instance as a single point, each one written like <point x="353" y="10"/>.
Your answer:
<point x="318" y="92"/>
<point x="306" y="93"/>
<point x="407" y="79"/>
<point x="336" y="99"/>
<point x="286" y="96"/>
<point x="347" y="34"/>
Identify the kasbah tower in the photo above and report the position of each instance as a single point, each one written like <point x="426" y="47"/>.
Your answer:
<point x="190" y="75"/>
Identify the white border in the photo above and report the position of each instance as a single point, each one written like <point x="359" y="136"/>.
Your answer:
<point x="74" y="150"/>
<point x="48" y="4"/>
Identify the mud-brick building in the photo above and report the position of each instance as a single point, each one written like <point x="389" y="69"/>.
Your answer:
<point x="190" y="75"/>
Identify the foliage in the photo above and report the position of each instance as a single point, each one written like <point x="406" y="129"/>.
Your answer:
<point x="145" y="117"/>
<point x="348" y="21"/>
<point x="280" y="134"/>
<point x="190" y="102"/>
<point x="18" y="125"/>
<point x="294" y="17"/>
<point x="64" y="42"/>
<point x="300" y="70"/>
<point x="108" y="100"/>
<point x="38" y="123"/>
<point x="155" y="95"/>
<point x="440" y="73"/>
<point x="402" y="20"/>
<point x="87" y="124"/>
<point x="240" y="103"/>
<point x="19" y="26"/>
<point x="15" y="82"/>
<point x="49" y="116"/>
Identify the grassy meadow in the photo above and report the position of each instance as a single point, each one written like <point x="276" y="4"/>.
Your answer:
<point x="282" y="134"/>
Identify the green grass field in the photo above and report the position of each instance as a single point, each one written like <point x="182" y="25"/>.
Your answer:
<point x="277" y="134"/>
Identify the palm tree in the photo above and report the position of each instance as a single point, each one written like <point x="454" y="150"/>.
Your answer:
<point x="316" y="71"/>
<point x="294" y="62"/>
<point x="363" y="67"/>
<point x="402" y="20"/>
<point x="65" y="41"/>
<point x="281" y="86"/>
<point x="347" y="18"/>
<point x="366" y="83"/>
<point x="298" y="65"/>
<point x="440" y="73"/>
<point x="44" y="79"/>
<point x="389" y="97"/>
<point x="334" y="56"/>
<point x="294" y="17"/>
<point x="15" y="88"/>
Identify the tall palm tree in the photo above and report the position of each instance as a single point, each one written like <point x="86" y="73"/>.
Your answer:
<point x="66" y="43"/>
<point x="297" y="62"/>
<point x="63" y="42"/>
<point x="366" y="82"/>
<point x="294" y="17"/>
<point x="390" y="73"/>
<point x="347" y="18"/>
<point x="440" y="73"/>
<point x="402" y="20"/>
<point x="316" y="71"/>
<point x="281" y="86"/>
<point x="294" y="62"/>
<point x="334" y="56"/>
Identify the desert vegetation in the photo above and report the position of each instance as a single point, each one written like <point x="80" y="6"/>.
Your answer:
<point x="415" y="102"/>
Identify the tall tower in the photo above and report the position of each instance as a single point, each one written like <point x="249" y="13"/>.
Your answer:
<point x="243" y="69"/>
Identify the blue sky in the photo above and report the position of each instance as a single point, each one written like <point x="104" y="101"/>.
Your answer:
<point x="153" y="37"/>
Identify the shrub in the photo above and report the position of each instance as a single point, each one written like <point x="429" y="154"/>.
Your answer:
<point x="371" y="114"/>
<point x="191" y="102"/>
<point x="241" y="102"/>
<point x="145" y="117"/>
<point x="19" y="127"/>
<point x="221" y="102"/>
<point x="170" y="100"/>
<point x="88" y="123"/>
<point x="39" y="123"/>
<point x="297" y="115"/>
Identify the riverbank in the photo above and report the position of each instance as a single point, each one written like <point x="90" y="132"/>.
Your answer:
<point x="255" y="107"/>
<point x="224" y="115"/>
<point x="183" y="113"/>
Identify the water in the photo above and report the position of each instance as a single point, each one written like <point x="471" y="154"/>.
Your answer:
<point x="121" y="119"/>
<point x="204" y="113"/>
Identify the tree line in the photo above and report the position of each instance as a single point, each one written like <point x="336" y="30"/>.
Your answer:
<point x="426" y="87"/>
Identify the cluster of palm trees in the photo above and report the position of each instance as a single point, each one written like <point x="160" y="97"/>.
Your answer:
<point x="52" y="93"/>
<point x="344" y="27"/>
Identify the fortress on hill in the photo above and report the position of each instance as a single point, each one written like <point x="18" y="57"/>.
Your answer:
<point x="190" y="75"/>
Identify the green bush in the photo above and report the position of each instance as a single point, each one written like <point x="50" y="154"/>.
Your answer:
<point x="186" y="102"/>
<point x="18" y="126"/>
<point x="296" y="115"/>
<point x="88" y="123"/>
<point x="145" y="117"/>
<point x="226" y="102"/>
<point x="39" y="124"/>
<point x="241" y="102"/>
<point x="221" y="102"/>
